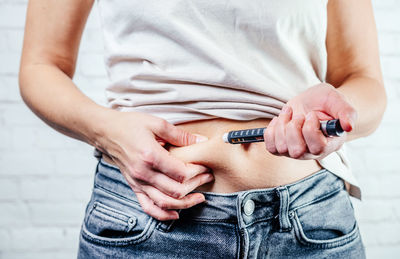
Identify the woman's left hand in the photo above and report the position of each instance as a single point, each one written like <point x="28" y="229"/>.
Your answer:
<point x="296" y="131"/>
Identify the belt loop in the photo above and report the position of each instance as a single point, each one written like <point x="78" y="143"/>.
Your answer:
<point x="284" y="222"/>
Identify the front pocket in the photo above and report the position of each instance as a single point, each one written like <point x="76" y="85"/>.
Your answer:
<point x="328" y="223"/>
<point x="110" y="226"/>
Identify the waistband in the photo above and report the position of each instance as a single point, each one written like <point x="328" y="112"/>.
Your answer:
<point x="245" y="207"/>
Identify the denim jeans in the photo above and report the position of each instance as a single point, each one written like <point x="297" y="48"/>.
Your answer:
<point x="311" y="218"/>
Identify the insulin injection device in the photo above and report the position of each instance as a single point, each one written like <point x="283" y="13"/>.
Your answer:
<point x="330" y="128"/>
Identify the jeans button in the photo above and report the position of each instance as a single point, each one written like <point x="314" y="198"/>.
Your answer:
<point x="249" y="207"/>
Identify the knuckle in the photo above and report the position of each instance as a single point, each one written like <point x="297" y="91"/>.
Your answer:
<point x="147" y="156"/>
<point x="139" y="175"/>
<point x="178" y="194"/>
<point x="270" y="147"/>
<point x="134" y="173"/>
<point x="298" y="151"/>
<point x="281" y="147"/>
<point x="316" y="150"/>
<point x="163" y="204"/>
<point x="181" y="176"/>
<point x="282" y="150"/>
<point x="162" y="126"/>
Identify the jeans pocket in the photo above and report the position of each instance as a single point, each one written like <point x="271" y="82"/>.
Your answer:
<point x="326" y="223"/>
<point x="108" y="222"/>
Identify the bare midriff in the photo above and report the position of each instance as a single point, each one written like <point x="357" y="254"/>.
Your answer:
<point x="238" y="167"/>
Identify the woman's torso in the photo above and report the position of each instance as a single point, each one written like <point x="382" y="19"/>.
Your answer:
<point x="238" y="167"/>
<point x="196" y="62"/>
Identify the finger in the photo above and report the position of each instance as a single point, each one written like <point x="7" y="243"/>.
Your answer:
<point x="165" y="202"/>
<point x="151" y="209"/>
<point x="280" y="129"/>
<point x="161" y="141"/>
<point x="294" y="137"/>
<point x="315" y="140"/>
<point x="160" y="159"/>
<point x="269" y="136"/>
<point x="322" y="116"/>
<point x="178" y="190"/>
<point x="175" y="135"/>
<point x="339" y="108"/>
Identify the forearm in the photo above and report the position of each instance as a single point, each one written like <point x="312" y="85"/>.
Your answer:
<point x="53" y="97"/>
<point x="368" y="97"/>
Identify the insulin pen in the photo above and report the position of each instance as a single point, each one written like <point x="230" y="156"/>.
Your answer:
<point x="329" y="128"/>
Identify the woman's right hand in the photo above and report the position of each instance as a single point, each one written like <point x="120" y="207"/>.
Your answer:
<point x="51" y="42"/>
<point x="161" y="182"/>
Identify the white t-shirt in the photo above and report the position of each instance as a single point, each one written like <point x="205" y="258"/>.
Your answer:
<point x="186" y="60"/>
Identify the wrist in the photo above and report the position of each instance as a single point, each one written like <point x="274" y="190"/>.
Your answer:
<point x="98" y="126"/>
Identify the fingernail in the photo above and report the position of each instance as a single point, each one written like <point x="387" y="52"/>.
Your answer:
<point x="200" y="138"/>
<point x="285" y="109"/>
<point x="309" y="116"/>
<point x="210" y="177"/>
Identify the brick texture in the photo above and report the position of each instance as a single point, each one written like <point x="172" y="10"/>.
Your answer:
<point x="46" y="177"/>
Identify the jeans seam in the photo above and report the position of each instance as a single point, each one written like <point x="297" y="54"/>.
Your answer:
<point x="238" y="241"/>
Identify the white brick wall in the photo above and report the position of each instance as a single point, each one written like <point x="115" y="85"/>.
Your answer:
<point x="46" y="177"/>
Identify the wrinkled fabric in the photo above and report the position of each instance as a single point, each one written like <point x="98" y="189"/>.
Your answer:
<point x="187" y="60"/>
<point x="311" y="218"/>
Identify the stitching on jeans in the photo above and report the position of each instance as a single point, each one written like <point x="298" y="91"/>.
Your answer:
<point x="238" y="241"/>
<point x="229" y="221"/>
<point x="339" y="241"/>
<point x="101" y="208"/>
<point x="260" y="220"/>
<point x="116" y="194"/>
<point x="317" y="199"/>
<point x="143" y="236"/>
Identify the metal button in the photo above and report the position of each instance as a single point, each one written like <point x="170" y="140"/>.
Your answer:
<point x="131" y="221"/>
<point x="249" y="207"/>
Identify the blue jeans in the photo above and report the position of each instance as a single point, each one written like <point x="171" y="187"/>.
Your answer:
<point x="311" y="218"/>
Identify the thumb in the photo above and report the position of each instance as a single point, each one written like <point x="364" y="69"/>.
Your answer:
<point x="177" y="136"/>
<point x="339" y="108"/>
